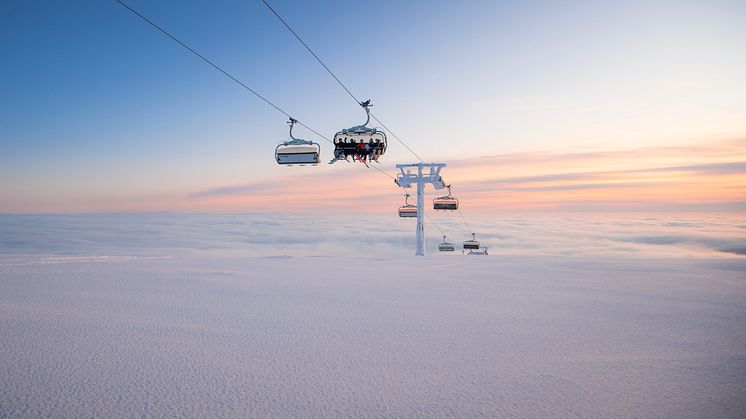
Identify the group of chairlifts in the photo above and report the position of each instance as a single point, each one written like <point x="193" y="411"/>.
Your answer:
<point x="363" y="144"/>
<point x="360" y="143"/>
<point x="470" y="245"/>
<point x="441" y="203"/>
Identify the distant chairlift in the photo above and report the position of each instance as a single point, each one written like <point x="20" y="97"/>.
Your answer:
<point x="446" y="246"/>
<point x="360" y="142"/>
<point x="407" y="210"/>
<point x="446" y="203"/>
<point x="472" y="244"/>
<point x="297" y="151"/>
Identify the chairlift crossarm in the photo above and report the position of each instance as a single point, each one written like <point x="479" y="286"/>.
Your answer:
<point x="430" y="174"/>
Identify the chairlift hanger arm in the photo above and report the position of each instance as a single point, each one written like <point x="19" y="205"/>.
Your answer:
<point x="292" y="122"/>
<point x="366" y="105"/>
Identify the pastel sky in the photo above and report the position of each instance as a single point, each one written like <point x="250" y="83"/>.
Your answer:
<point x="534" y="105"/>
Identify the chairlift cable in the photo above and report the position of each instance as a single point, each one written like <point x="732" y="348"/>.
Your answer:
<point x="433" y="223"/>
<point x="314" y="131"/>
<point x="380" y="170"/>
<point x="311" y="51"/>
<point x="331" y="73"/>
<point x="230" y="76"/>
<point x="215" y="66"/>
<point x="264" y="99"/>
<point x="397" y="137"/>
<point x="464" y="218"/>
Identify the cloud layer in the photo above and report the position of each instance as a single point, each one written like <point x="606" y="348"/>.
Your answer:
<point x="273" y="234"/>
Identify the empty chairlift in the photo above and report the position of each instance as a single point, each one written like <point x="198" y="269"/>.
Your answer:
<point x="360" y="142"/>
<point x="472" y="244"/>
<point x="446" y="246"/>
<point x="407" y="210"/>
<point x="446" y="203"/>
<point x="297" y="151"/>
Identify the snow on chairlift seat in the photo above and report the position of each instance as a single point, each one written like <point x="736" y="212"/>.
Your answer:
<point x="472" y="244"/>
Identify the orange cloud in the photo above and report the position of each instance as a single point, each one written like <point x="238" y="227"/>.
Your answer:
<point x="674" y="177"/>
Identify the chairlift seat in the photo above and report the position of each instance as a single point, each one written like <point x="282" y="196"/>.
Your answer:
<point x="446" y="247"/>
<point x="297" y="154"/>
<point x="360" y="139"/>
<point x="408" y="211"/>
<point x="297" y="150"/>
<point x="471" y="245"/>
<point x="445" y="204"/>
<point x="360" y="142"/>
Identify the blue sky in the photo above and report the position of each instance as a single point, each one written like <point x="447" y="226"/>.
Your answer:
<point x="98" y="107"/>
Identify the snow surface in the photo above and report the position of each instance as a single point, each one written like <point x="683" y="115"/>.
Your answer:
<point x="511" y="336"/>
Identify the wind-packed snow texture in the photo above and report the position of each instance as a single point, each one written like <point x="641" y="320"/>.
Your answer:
<point x="361" y="336"/>
<point x="298" y="315"/>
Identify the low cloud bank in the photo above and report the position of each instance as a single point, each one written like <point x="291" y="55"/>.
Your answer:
<point x="273" y="234"/>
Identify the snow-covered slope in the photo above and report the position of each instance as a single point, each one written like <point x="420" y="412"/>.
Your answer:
<point x="368" y="336"/>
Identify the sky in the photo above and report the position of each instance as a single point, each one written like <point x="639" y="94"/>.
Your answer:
<point x="549" y="106"/>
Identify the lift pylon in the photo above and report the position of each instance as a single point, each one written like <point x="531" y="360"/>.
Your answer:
<point x="420" y="174"/>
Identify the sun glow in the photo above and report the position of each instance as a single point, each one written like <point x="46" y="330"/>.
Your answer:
<point x="649" y="178"/>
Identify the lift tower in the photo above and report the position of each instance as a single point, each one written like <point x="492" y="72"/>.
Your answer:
<point x="425" y="173"/>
